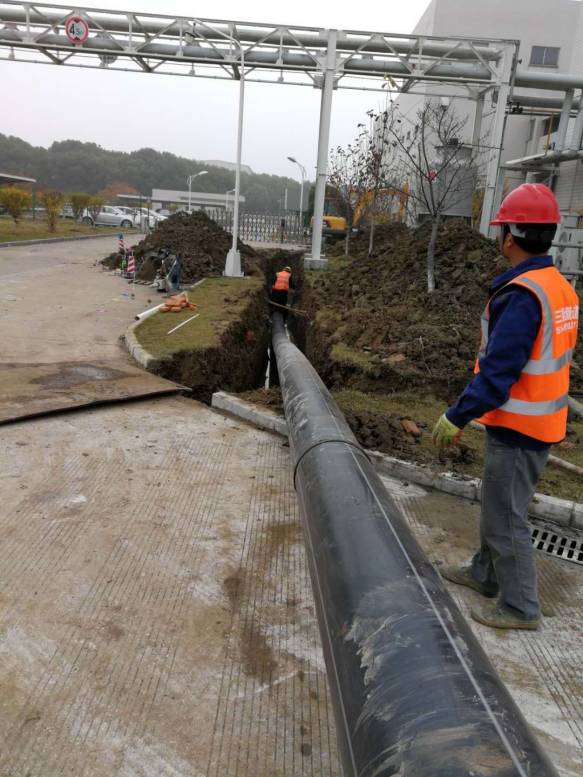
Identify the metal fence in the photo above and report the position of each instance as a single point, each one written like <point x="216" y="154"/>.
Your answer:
<point x="262" y="227"/>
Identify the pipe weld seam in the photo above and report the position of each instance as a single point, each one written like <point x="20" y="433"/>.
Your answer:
<point x="325" y="442"/>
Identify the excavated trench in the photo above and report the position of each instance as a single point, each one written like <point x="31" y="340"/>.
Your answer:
<point x="239" y="362"/>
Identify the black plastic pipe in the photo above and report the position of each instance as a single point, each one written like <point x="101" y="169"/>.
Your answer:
<point x="414" y="694"/>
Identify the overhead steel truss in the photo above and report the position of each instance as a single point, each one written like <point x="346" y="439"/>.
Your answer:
<point x="243" y="51"/>
<point x="156" y="43"/>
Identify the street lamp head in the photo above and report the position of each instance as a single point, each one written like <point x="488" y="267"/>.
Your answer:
<point x="292" y="159"/>
<point x="203" y="172"/>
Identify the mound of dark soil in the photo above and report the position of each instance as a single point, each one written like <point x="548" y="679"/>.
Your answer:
<point x="202" y="243"/>
<point x="389" y="332"/>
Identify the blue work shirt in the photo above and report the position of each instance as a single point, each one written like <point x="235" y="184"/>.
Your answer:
<point x="515" y="318"/>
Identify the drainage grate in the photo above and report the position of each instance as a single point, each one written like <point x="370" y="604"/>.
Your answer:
<point x="566" y="548"/>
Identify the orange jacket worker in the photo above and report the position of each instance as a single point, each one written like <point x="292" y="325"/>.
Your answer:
<point x="281" y="287"/>
<point x="520" y="393"/>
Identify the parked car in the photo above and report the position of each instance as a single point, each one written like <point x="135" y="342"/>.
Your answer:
<point x="139" y="213"/>
<point x="111" y="217"/>
<point x="67" y="212"/>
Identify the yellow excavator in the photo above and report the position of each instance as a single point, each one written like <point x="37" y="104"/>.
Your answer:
<point x="335" y="225"/>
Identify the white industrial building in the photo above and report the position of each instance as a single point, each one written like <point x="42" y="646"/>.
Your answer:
<point x="550" y="36"/>
<point x="163" y="198"/>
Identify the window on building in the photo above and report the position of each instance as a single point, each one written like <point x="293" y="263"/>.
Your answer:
<point x="544" y="56"/>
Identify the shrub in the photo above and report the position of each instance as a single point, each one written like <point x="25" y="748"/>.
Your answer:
<point x="79" y="203"/>
<point x="95" y="204"/>
<point x="15" y="201"/>
<point x="52" y="203"/>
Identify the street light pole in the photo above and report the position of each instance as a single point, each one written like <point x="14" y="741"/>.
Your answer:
<point x="303" y="174"/>
<point x="189" y="180"/>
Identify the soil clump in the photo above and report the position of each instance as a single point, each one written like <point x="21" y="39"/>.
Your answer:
<point x="202" y="243"/>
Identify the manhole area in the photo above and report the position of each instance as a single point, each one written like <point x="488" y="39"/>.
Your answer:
<point x="567" y="548"/>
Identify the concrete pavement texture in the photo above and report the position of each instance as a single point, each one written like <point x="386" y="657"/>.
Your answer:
<point x="57" y="304"/>
<point x="156" y="615"/>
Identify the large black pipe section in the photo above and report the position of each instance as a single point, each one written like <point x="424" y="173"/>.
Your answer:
<point x="413" y="692"/>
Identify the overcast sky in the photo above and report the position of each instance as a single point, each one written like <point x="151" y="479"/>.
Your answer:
<point x="197" y="117"/>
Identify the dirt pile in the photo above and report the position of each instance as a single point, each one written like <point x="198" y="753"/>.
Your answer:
<point x="377" y="316"/>
<point x="379" y="330"/>
<point x="394" y="433"/>
<point x="202" y="243"/>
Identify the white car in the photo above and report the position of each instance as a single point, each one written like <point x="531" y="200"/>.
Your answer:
<point x="155" y="218"/>
<point x="111" y="217"/>
<point x="139" y="213"/>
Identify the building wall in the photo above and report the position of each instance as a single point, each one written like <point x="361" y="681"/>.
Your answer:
<point x="531" y="23"/>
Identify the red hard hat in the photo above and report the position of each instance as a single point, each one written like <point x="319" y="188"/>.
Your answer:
<point x="530" y="203"/>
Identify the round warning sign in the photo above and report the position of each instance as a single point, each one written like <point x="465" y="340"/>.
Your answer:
<point x="77" y="29"/>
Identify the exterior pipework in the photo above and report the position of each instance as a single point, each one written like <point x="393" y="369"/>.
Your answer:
<point x="296" y="59"/>
<point x="220" y="30"/>
<point x="412" y="690"/>
<point x="559" y="82"/>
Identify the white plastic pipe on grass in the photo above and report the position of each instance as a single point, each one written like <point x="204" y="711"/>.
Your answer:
<point x="183" y="323"/>
<point x="147" y="313"/>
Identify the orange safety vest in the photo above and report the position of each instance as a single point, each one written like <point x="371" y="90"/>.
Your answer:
<point x="282" y="281"/>
<point x="537" y="405"/>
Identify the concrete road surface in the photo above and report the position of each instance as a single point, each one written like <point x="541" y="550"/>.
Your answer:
<point x="57" y="303"/>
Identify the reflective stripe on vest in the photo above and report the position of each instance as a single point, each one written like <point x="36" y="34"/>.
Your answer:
<point x="538" y="401"/>
<point x="282" y="281"/>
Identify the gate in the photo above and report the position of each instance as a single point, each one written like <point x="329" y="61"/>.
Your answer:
<point x="263" y="227"/>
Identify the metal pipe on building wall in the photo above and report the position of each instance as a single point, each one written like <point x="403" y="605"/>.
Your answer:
<point x="564" y="119"/>
<point x="577" y="136"/>
<point x="412" y="690"/>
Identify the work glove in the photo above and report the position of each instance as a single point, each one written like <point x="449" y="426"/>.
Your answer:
<point x="445" y="433"/>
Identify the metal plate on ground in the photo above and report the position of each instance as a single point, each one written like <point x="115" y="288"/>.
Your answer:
<point x="556" y="544"/>
<point x="28" y="390"/>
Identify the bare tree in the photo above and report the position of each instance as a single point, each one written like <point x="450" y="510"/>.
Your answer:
<point x="361" y="176"/>
<point x="434" y="163"/>
<point x="345" y="185"/>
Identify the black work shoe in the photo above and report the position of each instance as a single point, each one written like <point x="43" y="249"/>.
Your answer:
<point x="463" y="576"/>
<point x="497" y="616"/>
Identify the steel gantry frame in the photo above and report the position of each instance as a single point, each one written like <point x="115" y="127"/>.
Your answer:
<point x="294" y="55"/>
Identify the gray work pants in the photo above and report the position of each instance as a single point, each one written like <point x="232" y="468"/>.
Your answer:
<point x="506" y="555"/>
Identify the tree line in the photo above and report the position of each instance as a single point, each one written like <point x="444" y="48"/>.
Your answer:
<point x="73" y="166"/>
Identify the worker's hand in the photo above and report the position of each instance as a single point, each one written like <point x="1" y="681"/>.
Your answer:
<point x="445" y="433"/>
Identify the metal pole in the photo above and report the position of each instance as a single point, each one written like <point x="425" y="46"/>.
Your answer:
<point x="497" y="139"/>
<point x="577" y="135"/>
<point x="564" y="120"/>
<point x="233" y="263"/>
<point x="190" y="194"/>
<point x="323" y="143"/>
<point x="477" y="133"/>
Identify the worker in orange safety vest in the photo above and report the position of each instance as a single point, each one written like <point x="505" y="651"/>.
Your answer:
<point x="281" y="288"/>
<point x="520" y="393"/>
